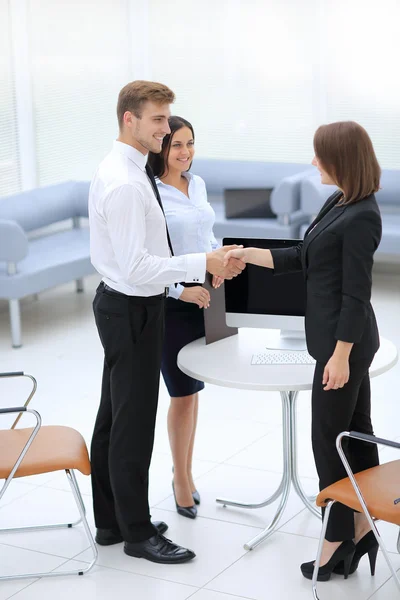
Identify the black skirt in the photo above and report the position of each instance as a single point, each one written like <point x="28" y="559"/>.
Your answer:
<point x="184" y="323"/>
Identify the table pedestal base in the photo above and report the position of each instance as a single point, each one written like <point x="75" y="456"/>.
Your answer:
<point x="290" y="474"/>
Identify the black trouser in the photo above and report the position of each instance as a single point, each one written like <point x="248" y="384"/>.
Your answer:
<point x="131" y="330"/>
<point x="334" y="411"/>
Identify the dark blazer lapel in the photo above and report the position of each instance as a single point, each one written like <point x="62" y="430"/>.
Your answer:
<point x="330" y="202"/>
<point x="319" y="226"/>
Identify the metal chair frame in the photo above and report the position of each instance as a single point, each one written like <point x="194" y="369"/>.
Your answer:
<point x="72" y="481"/>
<point x="373" y="440"/>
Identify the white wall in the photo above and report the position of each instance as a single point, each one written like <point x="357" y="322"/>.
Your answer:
<point x="254" y="77"/>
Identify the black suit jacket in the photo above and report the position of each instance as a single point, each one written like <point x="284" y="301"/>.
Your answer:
<point x="336" y="257"/>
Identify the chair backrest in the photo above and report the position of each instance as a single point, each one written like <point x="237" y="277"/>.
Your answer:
<point x="43" y="206"/>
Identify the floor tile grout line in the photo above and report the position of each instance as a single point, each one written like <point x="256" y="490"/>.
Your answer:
<point x="172" y="510"/>
<point x="119" y="570"/>
<point x="38" y="551"/>
<point x="309" y="537"/>
<point x="381" y="586"/>
<point x="233" y="596"/>
<point x="223" y="571"/>
<point x="34" y="488"/>
<point x="37" y="579"/>
<point x="23" y="589"/>
<point x="245" y="448"/>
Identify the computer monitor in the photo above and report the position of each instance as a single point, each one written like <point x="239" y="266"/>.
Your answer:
<point x="258" y="298"/>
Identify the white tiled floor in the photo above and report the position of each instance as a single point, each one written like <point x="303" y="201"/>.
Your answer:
<point x="237" y="455"/>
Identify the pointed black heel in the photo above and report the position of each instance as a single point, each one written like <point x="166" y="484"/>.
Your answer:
<point x="195" y="494"/>
<point x="367" y="545"/>
<point x="344" y="554"/>
<point x="185" y="511"/>
<point x="372" y="554"/>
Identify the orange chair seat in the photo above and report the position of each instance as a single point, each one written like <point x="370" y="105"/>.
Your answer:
<point x="55" y="448"/>
<point x="380" y="487"/>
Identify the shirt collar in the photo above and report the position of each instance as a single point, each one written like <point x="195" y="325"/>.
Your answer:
<point x="187" y="174"/>
<point x="134" y="155"/>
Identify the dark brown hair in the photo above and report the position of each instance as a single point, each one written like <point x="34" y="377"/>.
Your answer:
<point x="133" y="95"/>
<point x="346" y="153"/>
<point x="159" y="162"/>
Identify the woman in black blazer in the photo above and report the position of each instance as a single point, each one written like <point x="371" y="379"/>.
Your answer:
<point x="336" y="258"/>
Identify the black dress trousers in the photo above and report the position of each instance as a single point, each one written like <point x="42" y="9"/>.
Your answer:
<point x="131" y="330"/>
<point x="333" y="411"/>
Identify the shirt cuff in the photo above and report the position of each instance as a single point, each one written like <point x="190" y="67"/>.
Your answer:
<point x="175" y="291"/>
<point x="196" y="268"/>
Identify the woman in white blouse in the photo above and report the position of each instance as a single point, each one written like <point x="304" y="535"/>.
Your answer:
<point x="190" y="220"/>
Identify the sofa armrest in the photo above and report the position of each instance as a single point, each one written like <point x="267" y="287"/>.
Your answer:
<point x="295" y="218"/>
<point x="285" y="198"/>
<point x="13" y="241"/>
<point x="313" y="194"/>
<point x="80" y="197"/>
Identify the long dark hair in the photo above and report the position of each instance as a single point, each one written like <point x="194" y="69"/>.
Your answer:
<point x="159" y="162"/>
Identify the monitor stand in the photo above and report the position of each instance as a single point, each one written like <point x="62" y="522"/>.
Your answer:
<point x="287" y="340"/>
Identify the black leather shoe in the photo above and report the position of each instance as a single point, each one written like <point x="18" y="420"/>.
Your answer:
<point x="344" y="553"/>
<point x="159" y="549"/>
<point x="108" y="537"/>
<point x="185" y="511"/>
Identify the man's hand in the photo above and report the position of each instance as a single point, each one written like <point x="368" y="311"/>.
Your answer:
<point x="215" y="263"/>
<point x="238" y="252"/>
<point x="197" y="295"/>
<point x="217" y="281"/>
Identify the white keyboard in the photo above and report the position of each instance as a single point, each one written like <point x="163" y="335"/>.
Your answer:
<point x="282" y="357"/>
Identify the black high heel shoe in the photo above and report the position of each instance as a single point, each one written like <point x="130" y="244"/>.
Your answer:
<point x="367" y="545"/>
<point x="196" y="497"/>
<point x="185" y="511"/>
<point x="343" y="554"/>
<point x="195" y="494"/>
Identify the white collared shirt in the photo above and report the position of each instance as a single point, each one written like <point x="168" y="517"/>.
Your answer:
<point x="128" y="237"/>
<point x="190" y="219"/>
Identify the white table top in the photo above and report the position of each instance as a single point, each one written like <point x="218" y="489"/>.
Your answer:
<point x="228" y="363"/>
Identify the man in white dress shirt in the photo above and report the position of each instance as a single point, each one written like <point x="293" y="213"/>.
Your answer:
<point x="131" y="249"/>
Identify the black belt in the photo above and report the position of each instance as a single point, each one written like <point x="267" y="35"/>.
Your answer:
<point x="111" y="290"/>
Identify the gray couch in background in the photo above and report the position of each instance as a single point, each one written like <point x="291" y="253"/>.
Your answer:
<point x="313" y="195"/>
<point x="34" y="253"/>
<point x="44" y="238"/>
<point x="284" y="178"/>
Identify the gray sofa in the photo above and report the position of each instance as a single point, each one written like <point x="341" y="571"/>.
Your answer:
<point x="313" y="194"/>
<point x="44" y="240"/>
<point x="42" y="243"/>
<point x="284" y="178"/>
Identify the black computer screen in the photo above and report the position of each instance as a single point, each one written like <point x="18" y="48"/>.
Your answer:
<point x="258" y="291"/>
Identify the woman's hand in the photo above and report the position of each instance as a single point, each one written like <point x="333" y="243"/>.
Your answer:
<point x="336" y="373"/>
<point x="196" y="295"/>
<point x="253" y="256"/>
<point x="237" y="253"/>
<point x="217" y="281"/>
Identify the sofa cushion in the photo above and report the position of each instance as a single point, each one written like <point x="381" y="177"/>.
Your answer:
<point x="52" y="260"/>
<point x="224" y="174"/>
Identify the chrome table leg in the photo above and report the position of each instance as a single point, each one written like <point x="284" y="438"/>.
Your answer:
<point x="309" y="501"/>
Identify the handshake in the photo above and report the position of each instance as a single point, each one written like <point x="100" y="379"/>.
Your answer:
<point x="225" y="263"/>
<point x="222" y="263"/>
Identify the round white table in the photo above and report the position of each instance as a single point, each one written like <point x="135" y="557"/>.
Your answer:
<point x="228" y="363"/>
